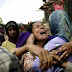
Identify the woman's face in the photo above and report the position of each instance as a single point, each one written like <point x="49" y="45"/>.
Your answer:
<point x="39" y="31"/>
<point x="12" y="31"/>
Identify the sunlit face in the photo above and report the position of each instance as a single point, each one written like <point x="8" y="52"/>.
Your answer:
<point x="39" y="31"/>
<point x="12" y="31"/>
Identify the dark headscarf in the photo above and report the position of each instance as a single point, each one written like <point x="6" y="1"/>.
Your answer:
<point x="9" y="24"/>
<point x="12" y="23"/>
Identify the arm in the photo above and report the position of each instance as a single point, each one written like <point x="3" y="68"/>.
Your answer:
<point x="43" y="55"/>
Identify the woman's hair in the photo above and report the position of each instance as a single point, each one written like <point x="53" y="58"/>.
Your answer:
<point x="9" y="24"/>
<point x="30" y="26"/>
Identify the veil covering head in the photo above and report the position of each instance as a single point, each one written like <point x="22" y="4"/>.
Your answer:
<point x="12" y="23"/>
<point x="60" y="25"/>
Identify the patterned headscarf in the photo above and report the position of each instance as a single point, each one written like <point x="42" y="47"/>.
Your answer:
<point x="60" y="24"/>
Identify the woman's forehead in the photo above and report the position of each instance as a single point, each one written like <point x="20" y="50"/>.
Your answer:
<point x="38" y="23"/>
<point x="11" y="27"/>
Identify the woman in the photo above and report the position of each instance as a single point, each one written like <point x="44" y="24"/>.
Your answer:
<point x="41" y="36"/>
<point x="35" y="29"/>
<point x="60" y="26"/>
<point x="13" y="34"/>
<point x="12" y="31"/>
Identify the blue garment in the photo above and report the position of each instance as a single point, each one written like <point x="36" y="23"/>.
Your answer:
<point x="60" y="24"/>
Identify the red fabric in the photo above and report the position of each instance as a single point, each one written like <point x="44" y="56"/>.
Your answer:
<point x="58" y="7"/>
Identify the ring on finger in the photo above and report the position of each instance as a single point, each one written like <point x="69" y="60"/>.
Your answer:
<point x="66" y="54"/>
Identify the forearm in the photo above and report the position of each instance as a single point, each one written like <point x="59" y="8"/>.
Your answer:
<point x="31" y="48"/>
<point x="21" y="51"/>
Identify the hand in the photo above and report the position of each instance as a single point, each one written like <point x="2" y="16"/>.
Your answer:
<point x="66" y="49"/>
<point x="59" y="63"/>
<point x="30" y="39"/>
<point x="53" y="52"/>
<point x="43" y="55"/>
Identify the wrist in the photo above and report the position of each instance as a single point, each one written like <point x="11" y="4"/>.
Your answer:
<point x="26" y="47"/>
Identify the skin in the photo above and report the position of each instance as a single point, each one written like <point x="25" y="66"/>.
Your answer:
<point x="38" y="28"/>
<point x="38" y="49"/>
<point x="66" y="49"/>
<point x="12" y="32"/>
<point x="56" y="57"/>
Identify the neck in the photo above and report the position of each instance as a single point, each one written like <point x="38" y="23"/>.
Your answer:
<point x="40" y="43"/>
<point x="13" y="40"/>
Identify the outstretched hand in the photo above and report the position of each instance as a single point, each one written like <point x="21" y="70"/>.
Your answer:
<point x="66" y="49"/>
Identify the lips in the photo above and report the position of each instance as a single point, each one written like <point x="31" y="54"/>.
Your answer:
<point x="43" y="32"/>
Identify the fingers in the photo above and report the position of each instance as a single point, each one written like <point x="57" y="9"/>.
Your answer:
<point x="62" y="49"/>
<point x="45" y="61"/>
<point x="63" y="56"/>
<point x="48" y="61"/>
<point x="51" y="61"/>
<point x="41" y="60"/>
<point x="56" y="57"/>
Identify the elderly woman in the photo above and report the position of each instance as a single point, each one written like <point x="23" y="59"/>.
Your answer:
<point x="41" y="37"/>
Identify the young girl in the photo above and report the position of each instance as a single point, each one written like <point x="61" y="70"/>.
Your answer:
<point x="13" y="34"/>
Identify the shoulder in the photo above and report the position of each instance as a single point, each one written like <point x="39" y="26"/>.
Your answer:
<point x="4" y="43"/>
<point x="9" y="45"/>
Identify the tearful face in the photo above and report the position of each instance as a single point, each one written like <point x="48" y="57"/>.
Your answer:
<point x="40" y="32"/>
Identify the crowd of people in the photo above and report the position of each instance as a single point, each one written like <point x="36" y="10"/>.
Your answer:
<point x="34" y="50"/>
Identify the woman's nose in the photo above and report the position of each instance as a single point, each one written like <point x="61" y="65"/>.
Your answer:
<point x="12" y="31"/>
<point x="42" y="27"/>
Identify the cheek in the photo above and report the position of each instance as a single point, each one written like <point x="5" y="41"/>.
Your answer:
<point x="36" y="34"/>
<point x="15" y="32"/>
<point x="9" y="32"/>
